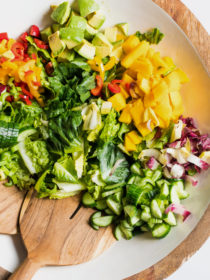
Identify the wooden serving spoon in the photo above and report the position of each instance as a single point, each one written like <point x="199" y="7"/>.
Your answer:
<point x="11" y="200"/>
<point x="56" y="232"/>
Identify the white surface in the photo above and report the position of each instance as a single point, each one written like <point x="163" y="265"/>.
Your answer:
<point x="124" y="258"/>
<point x="197" y="267"/>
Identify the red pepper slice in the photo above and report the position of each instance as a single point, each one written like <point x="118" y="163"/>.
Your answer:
<point x="24" y="89"/>
<point x="128" y="87"/>
<point x="26" y="99"/>
<point x="34" y="31"/>
<point x="4" y="36"/>
<point x="2" y="59"/>
<point x="18" y="50"/>
<point x="10" y="98"/>
<point x="23" y="37"/>
<point x="49" y="68"/>
<point x="114" y="88"/>
<point x="2" y="88"/>
<point x="116" y="82"/>
<point x="40" y="44"/>
<point x="38" y="84"/>
<point x="97" y="90"/>
<point x="28" y="72"/>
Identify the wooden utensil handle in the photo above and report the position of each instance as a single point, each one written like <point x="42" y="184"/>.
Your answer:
<point x="26" y="270"/>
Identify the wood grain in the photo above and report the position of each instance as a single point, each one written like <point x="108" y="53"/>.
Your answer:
<point x="201" y="40"/>
<point x="52" y="238"/>
<point x="11" y="200"/>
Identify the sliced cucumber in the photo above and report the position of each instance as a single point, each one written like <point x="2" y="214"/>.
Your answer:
<point x="174" y="197"/>
<point x="170" y="219"/>
<point x="118" y="234"/>
<point x="145" y="214"/>
<point x="94" y="215"/>
<point x="180" y="190"/>
<point x="114" y="186"/>
<point x="157" y="175"/>
<point x="101" y="204"/>
<point x="136" y="168"/>
<point x="116" y="207"/>
<point x="164" y="191"/>
<point x="130" y="210"/>
<point x="108" y="193"/>
<point x="88" y="200"/>
<point x="161" y="230"/>
<point x="148" y="173"/>
<point x="155" y="209"/>
<point x="102" y="221"/>
<point x="108" y="211"/>
<point x="152" y="222"/>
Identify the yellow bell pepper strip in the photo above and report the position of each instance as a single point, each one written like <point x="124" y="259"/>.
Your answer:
<point x="97" y="65"/>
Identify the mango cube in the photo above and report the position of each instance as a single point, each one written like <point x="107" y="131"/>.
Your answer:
<point x="118" y="101"/>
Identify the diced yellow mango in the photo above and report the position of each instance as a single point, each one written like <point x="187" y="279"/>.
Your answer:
<point x="177" y="105"/>
<point x="124" y="92"/>
<point x="137" y="111"/>
<point x="173" y="81"/>
<point x="164" y="110"/>
<point x="135" y="138"/>
<point x="144" y="129"/>
<point x="182" y="76"/>
<point x="157" y="61"/>
<point x="149" y="100"/>
<point x="162" y="123"/>
<point x="144" y="66"/>
<point x="130" y="43"/>
<point x="127" y="79"/>
<point x="144" y="85"/>
<point x="169" y="61"/>
<point x="140" y="50"/>
<point x="155" y="80"/>
<point x="131" y="73"/>
<point x="125" y="116"/>
<point x="118" y="102"/>
<point x="160" y="91"/>
<point x="129" y="145"/>
<point x="150" y="53"/>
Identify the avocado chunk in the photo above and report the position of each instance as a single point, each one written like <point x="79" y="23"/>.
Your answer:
<point x="102" y="51"/>
<point x="73" y="13"/>
<point x="86" y="49"/>
<point x="77" y="22"/>
<point x="61" y="13"/>
<point x="111" y="34"/>
<point x="66" y="55"/>
<point x="124" y="27"/>
<point x="87" y="7"/>
<point x="45" y="33"/>
<point x="55" y="27"/>
<point x="56" y="44"/>
<point x="90" y="32"/>
<point x="71" y="36"/>
<point x="117" y="52"/>
<point x="96" y="19"/>
<point x="101" y="41"/>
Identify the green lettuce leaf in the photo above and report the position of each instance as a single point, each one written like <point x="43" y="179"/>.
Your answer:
<point x="64" y="170"/>
<point x="113" y="164"/>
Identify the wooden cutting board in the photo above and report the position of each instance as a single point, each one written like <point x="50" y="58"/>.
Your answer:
<point x="11" y="200"/>
<point x="201" y="40"/>
<point x="4" y="274"/>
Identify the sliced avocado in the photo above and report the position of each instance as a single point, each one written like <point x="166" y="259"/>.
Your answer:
<point x="45" y="33"/>
<point x="71" y="36"/>
<point x="124" y="27"/>
<point x="117" y="52"/>
<point x="96" y="19"/>
<point x="118" y="43"/>
<point x="73" y="13"/>
<point x="61" y="13"/>
<point x="55" y="27"/>
<point x="66" y="55"/>
<point x="87" y="7"/>
<point x="86" y="49"/>
<point x="101" y="40"/>
<point x="111" y="34"/>
<point x="90" y="32"/>
<point x="102" y="51"/>
<point x="56" y="44"/>
<point x="77" y="22"/>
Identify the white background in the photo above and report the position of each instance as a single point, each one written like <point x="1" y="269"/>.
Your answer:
<point x="197" y="267"/>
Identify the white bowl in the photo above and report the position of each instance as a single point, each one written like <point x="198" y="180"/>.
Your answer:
<point x="124" y="258"/>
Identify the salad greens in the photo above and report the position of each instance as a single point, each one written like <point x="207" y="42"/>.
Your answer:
<point x="74" y="139"/>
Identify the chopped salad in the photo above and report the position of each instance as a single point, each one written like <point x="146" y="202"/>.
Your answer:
<point x="98" y="112"/>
